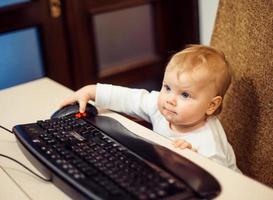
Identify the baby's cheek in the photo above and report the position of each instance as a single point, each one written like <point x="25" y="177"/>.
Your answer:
<point x="159" y="103"/>
<point x="181" y="108"/>
<point x="182" y="113"/>
<point x="160" y="108"/>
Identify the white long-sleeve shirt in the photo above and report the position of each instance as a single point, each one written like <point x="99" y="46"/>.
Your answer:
<point x="210" y="140"/>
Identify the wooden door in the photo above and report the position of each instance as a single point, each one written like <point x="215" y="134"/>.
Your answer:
<point x="127" y="42"/>
<point x="44" y="20"/>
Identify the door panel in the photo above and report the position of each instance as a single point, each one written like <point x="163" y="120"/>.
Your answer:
<point x="11" y="2"/>
<point x="123" y="38"/>
<point x="25" y="47"/>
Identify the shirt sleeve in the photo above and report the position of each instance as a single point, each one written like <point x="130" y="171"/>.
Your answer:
<point x="135" y="102"/>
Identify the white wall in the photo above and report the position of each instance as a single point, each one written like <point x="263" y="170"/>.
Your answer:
<point x="207" y="14"/>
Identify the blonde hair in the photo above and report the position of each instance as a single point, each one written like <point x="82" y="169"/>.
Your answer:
<point x="209" y="58"/>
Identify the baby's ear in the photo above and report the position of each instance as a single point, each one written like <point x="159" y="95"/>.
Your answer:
<point x="213" y="105"/>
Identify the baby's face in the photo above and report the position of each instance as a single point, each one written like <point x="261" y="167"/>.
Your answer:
<point x="185" y="99"/>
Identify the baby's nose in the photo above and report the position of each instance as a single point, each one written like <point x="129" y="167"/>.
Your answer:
<point x="171" y="100"/>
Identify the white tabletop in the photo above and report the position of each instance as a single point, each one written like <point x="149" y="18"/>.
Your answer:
<point x="38" y="99"/>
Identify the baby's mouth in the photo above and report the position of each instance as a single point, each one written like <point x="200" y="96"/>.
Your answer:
<point x="169" y="111"/>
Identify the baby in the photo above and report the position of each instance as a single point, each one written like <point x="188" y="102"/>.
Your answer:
<point x="185" y="110"/>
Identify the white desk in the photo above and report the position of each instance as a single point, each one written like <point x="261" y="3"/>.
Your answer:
<point x="37" y="100"/>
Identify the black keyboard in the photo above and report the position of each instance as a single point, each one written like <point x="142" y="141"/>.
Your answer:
<point x="97" y="158"/>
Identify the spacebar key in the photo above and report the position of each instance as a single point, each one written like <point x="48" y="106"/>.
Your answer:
<point x="104" y="191"/>
<point x="94" y="190"/>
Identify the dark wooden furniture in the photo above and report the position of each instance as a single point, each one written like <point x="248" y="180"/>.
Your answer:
<point x="70" y="34"/>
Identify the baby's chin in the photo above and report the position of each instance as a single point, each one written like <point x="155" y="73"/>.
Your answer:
<point x="173" y="121"/>
<point x="168" y="116"/>
<point x="170" y="119"/>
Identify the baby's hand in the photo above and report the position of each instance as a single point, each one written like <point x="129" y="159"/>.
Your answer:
<point x="183" y="144"/>
<point x="82" y="96"/>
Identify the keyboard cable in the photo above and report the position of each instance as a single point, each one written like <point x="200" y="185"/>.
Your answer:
<point x="14" y="160"/>
<point x="6" y="129"/>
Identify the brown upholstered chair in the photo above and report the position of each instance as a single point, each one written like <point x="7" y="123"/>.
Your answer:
<point x="244" y="31"/>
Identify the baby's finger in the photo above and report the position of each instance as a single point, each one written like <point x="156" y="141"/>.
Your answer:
<point x="178" y="143"/>
<point x="185" y="145"/>
<point x="82" y="106"/>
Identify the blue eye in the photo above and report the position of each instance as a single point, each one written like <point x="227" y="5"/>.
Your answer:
<point x="185" y="95"/>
